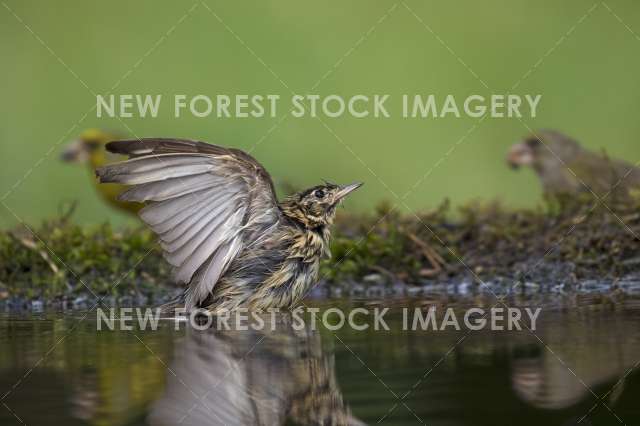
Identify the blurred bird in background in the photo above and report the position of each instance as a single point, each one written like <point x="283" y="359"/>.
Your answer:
<point x="89" y="149"/>
<point x="567" y="169"/>
<point x="221" y="226"/>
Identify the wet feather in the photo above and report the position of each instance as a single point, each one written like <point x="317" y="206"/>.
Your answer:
<point x="220" y="224"/>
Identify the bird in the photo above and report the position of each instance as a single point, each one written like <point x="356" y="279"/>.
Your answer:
<point x="89" y="149"/>
<point x="281" y="373"/>
<point x="221" y="226"/>
<point x="565" y="168"/>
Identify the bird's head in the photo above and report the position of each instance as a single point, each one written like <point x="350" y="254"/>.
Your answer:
<point x="316" y="207"/>
<point x="543" y="150"/>
<point x="88" y="148"/>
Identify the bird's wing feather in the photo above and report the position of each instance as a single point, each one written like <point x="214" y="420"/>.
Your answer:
<point x="202" y="199"/>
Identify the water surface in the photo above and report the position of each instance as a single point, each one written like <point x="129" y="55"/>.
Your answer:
<point x="580" y="366"/>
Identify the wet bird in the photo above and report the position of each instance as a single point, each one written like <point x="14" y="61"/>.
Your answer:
<point x="220" y="224"/>
<point x="89" y="149"/>
<point x="566" y="168"/>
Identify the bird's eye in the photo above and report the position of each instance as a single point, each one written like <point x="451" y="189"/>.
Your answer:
<point x="92" y="144"/>
<point x="319" y="193"/>
<point x="533" y="142"/>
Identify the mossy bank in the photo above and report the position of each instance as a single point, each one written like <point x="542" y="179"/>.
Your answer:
<point x="384" y="251"/>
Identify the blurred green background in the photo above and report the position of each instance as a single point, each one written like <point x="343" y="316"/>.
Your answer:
<point x="585" y="61"/>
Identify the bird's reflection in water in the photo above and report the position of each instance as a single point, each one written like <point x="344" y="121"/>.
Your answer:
<point x="605" y="360"/>
<point x="543" y="382"/>
<point x="277" y="375"/>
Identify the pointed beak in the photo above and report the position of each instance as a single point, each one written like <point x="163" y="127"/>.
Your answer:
<point x="347" y="189"/>
<point x="519" y="155"/>
<point x="71" y="153"/>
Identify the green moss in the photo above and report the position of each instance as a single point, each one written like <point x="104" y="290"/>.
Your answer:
<point x="65" y="259"/>
<point x="596" y="241"/>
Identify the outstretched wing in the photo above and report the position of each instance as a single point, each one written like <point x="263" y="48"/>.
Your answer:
<point x="202" y="199"/>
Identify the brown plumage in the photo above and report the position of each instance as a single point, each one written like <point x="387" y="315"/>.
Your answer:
<point x="220" y="224"/>
<point x="566" y="168"/>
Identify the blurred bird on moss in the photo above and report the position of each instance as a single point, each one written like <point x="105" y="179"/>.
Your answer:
<point x="89" y="150"/>
<point x="221" y="226"/>
<point x="565" y="168"/>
